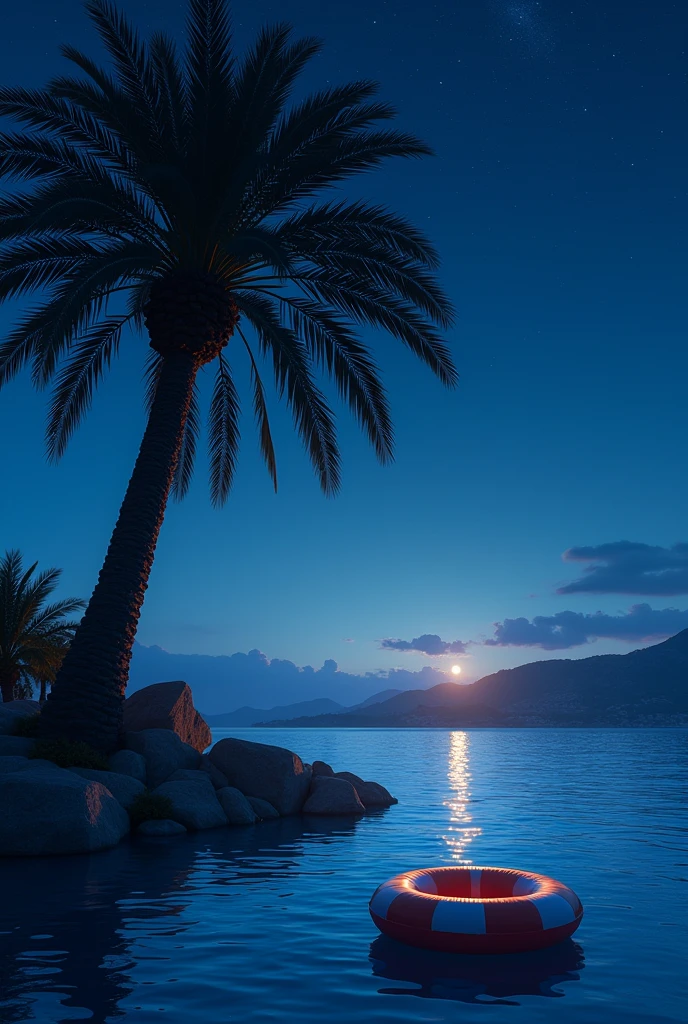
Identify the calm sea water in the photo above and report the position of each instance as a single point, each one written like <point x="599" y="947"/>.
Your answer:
<point x="270" y="923"/>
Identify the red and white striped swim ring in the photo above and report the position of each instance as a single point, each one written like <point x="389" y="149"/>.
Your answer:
<point x="476" y="910"/>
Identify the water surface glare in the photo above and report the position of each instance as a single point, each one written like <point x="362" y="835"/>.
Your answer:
<point x="270" y="923"/>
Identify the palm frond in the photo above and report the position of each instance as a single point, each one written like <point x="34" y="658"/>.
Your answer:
<point x="209" y="66"/>
<point x="367" y="303"/>
<point x="132" y="66"/>
<point x="76" y="382"/>
<point x="312" y="418"/>
<point x="184" y="469"/>
<point x="223" y="434"/>
<point x="332" y="345"/>
<point x="43" y="111"/>
<point x="33" y="634"/>
<point x="52" y="615"/>
<point x="262" y="85"/>
<point x="170" y="84"/>
<point x="359" y="222"/>
<point x="38" y="261"/>
<point x="260" y="411"/>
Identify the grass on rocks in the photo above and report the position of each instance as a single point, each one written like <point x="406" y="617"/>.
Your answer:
<point x="68" y="754"/>
<point x="149" y="807"/>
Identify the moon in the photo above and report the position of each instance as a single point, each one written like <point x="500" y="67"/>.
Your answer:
<point x="456" y="670"/>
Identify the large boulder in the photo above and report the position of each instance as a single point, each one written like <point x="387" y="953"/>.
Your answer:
<point x="16" y="746"/>
<point x="123" y="787"/>
<point x="163" y="752"/>
<point x="372" y="794"/>
<point x="194" y="803"/>
<point x="332" y="796"/>
<point x="236" y="806"/>
<point x="49" y="811"/>
<point x="322" y="768"/>
<point x="23" y="707"/>
<point x="349" y="776"/>
<point x="167" y="706"/>
<point x="33" y="764"/>
<point x="259" y="769"/>
<point x="263" y="810"/>
<point x="12" y="763"/>
<point x="160" y="827"/>
<point x="188" y="775"/>
<point x="217" y="778"/>
<point x="127" y="762"/>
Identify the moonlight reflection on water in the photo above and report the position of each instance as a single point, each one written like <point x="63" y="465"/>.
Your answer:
<point x="461" y="833"/>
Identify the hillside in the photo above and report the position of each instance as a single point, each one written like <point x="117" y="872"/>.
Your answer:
<point x="248" y="716"/>
<point x="645" y="687"/>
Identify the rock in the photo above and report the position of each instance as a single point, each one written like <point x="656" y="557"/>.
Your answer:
<point x="167" y="706"/>
<point x="160" y="827"/>
<point x="12" y="711"/>
<point x="163" y="753"/>
<point x="372" y="794"/>
<point x="332" y="796"/>
<point x="322" y="768"/>
<point x="12" y="763"/>
<point x="8" y="720"/>
<point x="262" y="808"/>
<point x="194" y="803"/>
<point x="23" y="707"/>
<point x="189" y="775"/>
<point x="259" y="769"/>
<point x="39" y="764"/>
<point x="218" y="779"/>
<point x="49" y="811"/>
<point x="15" y="746"/>
<point x="355" y="780"/>
<point x="123" y="787"/>
<point x="127" y="762"/>
<point x="236" y="806"/>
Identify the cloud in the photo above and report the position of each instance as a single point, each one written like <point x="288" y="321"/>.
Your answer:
<point x="573" y="629"/>
<point x="625" y="567"/>
<point x="225" y="682"/>
<point x="428" y="643"/>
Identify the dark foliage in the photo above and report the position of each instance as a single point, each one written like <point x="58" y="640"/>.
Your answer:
<point x="34" y="634"/>
<point x="70" y="754"/>
<point x="149" y="807"/>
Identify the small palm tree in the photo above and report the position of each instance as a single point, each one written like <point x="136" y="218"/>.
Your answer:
<point x="177" y="195"/>
<point x="33" y="635"/>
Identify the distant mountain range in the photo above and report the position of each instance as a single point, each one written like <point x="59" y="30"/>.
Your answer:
<point x="648" y="687"/>
<point x="246" y="716"/>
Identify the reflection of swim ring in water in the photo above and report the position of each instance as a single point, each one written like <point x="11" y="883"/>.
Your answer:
<point x="476" y="910"/>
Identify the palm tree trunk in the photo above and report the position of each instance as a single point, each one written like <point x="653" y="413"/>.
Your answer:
<point x="44" y="689"/>
<point x="8" y="680"/>
<point x="86" y="701"/>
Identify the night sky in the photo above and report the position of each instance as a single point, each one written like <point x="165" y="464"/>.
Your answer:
<point x="558" y="202"/>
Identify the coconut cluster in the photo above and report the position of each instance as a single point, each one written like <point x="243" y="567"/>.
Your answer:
<point x="190" y="312"/>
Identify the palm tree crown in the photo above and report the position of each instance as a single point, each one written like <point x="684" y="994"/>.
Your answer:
<point x="179" y="193"/>
<point x="167" y="166"/>
<point x="33" y="634"/>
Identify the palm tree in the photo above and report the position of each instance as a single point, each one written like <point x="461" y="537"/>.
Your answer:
<point x="177" y="194"/>
<point x="33" y="635"/>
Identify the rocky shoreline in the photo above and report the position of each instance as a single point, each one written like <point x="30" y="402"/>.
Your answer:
<point x="161" y="783"/>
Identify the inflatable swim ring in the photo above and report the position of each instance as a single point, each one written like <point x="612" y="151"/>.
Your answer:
<point x="476" y="910"/>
